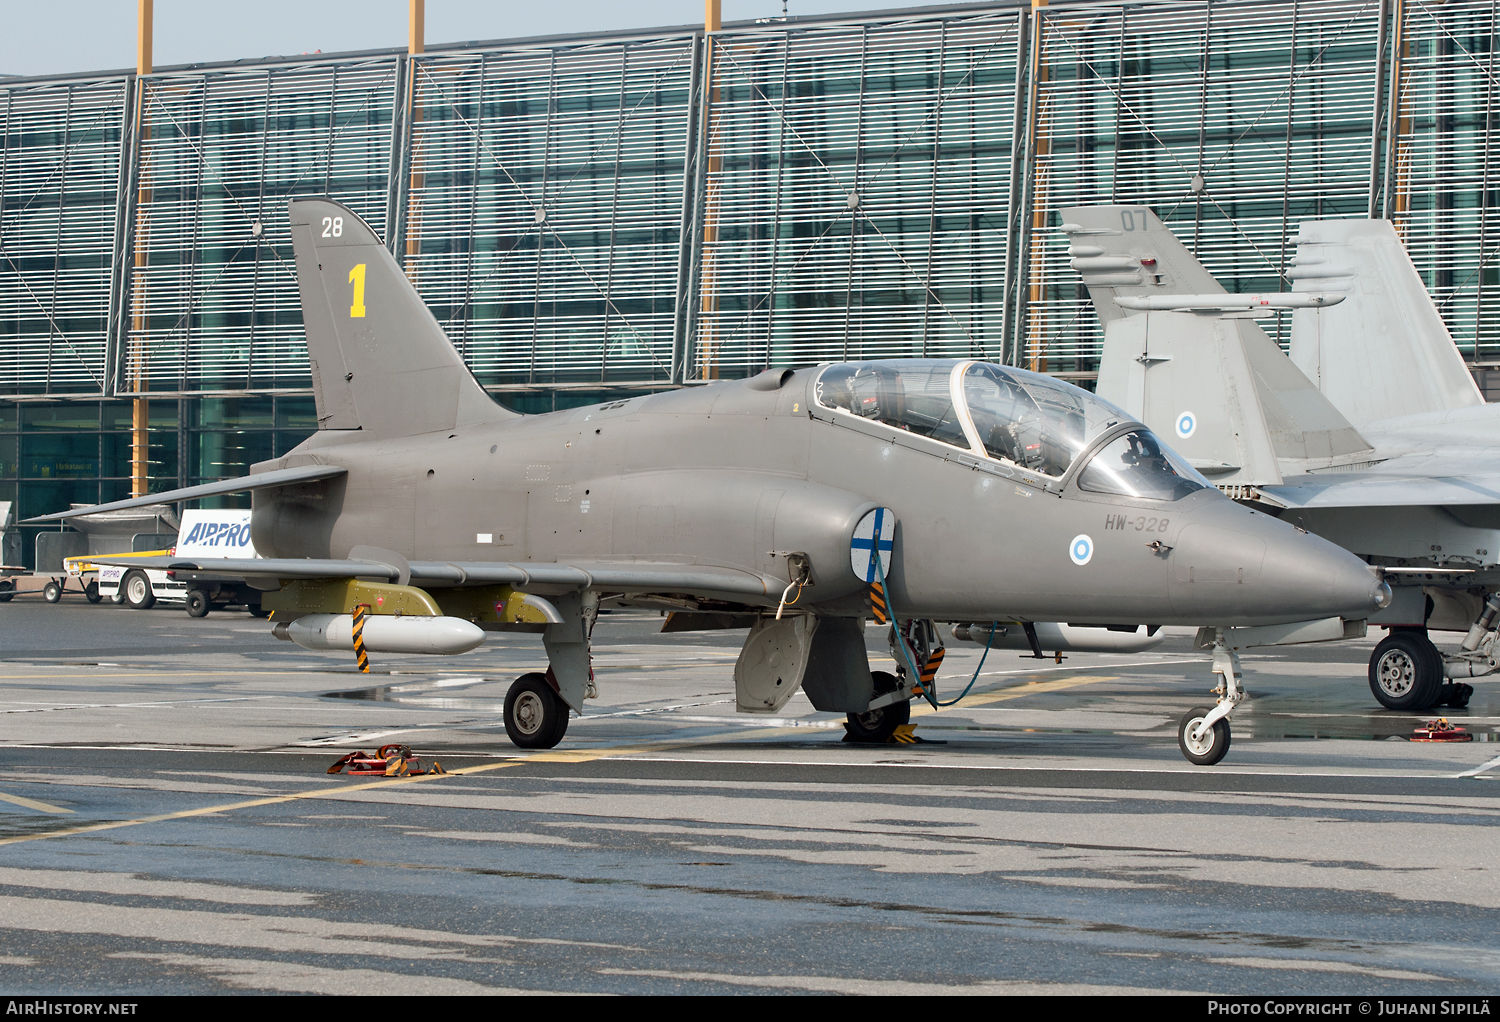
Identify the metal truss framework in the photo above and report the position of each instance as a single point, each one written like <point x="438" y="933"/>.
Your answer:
<point x="669" y="209"/>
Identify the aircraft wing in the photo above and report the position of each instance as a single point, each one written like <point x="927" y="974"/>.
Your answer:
<point x="618" y="576"/>
<point x="245" y="484"/>
<point x="1373" y="489"/>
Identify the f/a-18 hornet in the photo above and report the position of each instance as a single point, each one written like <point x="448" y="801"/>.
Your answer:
<point x="422" y="513"/>
<point x="1371" y="434"/>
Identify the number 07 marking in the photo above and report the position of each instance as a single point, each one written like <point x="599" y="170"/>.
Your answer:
<point x="357" y="278"/>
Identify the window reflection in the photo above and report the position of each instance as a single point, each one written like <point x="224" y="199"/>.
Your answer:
<point x="913" y="396"/>
<point x="1021" y="417"/>
<point x="1138" y="465"/>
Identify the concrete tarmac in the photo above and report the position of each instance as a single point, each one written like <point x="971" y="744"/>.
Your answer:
<point x="167" y="825"/>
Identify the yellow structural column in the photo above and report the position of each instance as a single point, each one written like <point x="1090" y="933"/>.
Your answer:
<point x="140" y="417"/>
<point x="416" y="33"/>
<point x="1036" y="356"/>
<point x="707" y="284"/>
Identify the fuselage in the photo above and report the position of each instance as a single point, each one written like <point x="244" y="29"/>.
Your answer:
<point x="739" y="476"/>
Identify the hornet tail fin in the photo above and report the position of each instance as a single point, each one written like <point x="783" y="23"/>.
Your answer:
<point x="1221" y="393"/>
<point x="1127" y="252"/>
<point x="380" y="362"/>
<point x="1384" y="352"/>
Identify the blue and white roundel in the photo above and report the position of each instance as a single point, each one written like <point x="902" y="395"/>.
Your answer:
<point x="1081" y="549"/>
<point x="1186" y="423"/>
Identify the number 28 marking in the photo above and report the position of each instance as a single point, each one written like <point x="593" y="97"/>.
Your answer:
<point x="357" y="278"/>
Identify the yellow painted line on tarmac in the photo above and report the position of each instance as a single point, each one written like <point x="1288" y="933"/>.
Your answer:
<point x="31" y="803"/>
<point x="1015" y="692"/>
<point x="551" y="756"/>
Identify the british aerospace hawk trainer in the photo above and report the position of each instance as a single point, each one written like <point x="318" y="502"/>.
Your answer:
<point x="1371" y="434"/>
<point x="422" y="513"/>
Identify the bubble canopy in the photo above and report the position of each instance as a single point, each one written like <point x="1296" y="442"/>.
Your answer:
<point x="1012" y="415"/>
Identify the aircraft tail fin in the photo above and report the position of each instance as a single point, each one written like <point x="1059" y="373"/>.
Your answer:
<point x="1126" y="251"/>
<point x="1221" y="393"/>
<point x="380" y="361"/>
<point x="1384" y="351"/>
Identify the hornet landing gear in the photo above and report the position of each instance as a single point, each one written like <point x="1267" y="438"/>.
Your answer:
<point x="1406" y="671"/>
<point x="1203" y="733"/>
<point x="535" y="716"/>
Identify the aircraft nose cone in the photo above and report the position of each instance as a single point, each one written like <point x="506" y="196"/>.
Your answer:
<point x="1233" y="566"/>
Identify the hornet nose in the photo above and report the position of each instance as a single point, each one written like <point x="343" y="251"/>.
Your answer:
<point x="1234" y="566"/>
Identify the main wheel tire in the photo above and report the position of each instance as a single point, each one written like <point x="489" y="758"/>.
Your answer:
<point x="535" y="716"/>
<point x="91" y="592"/>
<point x="197" y="603"/>
<point x="1209" y="749"/>
<point x="52" y="592"/>
<point x="256" y="610"/>
<point x="875" y="727"/>
<point x="137" y="589"/>
<point x="1406" y="672"/>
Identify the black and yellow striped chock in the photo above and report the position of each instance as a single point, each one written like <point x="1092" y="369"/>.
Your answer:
<point x="359" y="638"/>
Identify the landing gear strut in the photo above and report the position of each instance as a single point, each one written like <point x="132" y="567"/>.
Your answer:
<point x="1203" y="733"/>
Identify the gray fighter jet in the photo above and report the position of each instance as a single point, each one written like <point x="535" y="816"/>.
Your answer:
<point x="422" y="513"/>
<point x="1414" y="488"/>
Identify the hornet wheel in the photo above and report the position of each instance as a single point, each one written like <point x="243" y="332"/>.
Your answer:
<point x="197" y="603"/>
<point x="876" y="726"/>
<point x="1209" y="749"/>
<point x="535" y="716"/>
<point x="52" y="592"/>
<point x="1406" y="672"/>
<point x="91" y="592"/>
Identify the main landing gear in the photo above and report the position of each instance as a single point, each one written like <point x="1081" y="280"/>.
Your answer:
<point x="535" y="716"/>
<point x="876" y="726"/>
<point x="1406" y="674"/>
<point x="1203" y="732"/>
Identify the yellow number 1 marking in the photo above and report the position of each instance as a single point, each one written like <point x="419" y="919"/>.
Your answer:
<point x="357" y="278"/>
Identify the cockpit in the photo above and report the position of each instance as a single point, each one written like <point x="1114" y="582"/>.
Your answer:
<point x="1009" y="415"/>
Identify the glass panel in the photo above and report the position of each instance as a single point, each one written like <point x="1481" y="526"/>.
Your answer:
<point x="912" y="395"/>
<point x="1035" y="421"/>
<point x="83" y="415"/>
<point x="61" y="456"/>
<point x="296" y="413"/>
<point x="1139" y="465"/>
<point x="235" y="413"/>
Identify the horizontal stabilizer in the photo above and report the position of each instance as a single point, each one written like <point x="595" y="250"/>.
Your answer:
<point x="1226" y="303"/>
<point x="245" y="484"/>
<point x="1364" y="489"/>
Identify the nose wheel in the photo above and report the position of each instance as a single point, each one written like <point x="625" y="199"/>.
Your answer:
<point x="1202" y="746"/>
<point x="1203" y="732"/>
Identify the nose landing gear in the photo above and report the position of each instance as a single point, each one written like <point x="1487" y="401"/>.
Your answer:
<point x="1203" y="733"/>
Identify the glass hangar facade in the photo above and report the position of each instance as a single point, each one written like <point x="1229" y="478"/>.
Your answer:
<point x="591" y="216"/>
